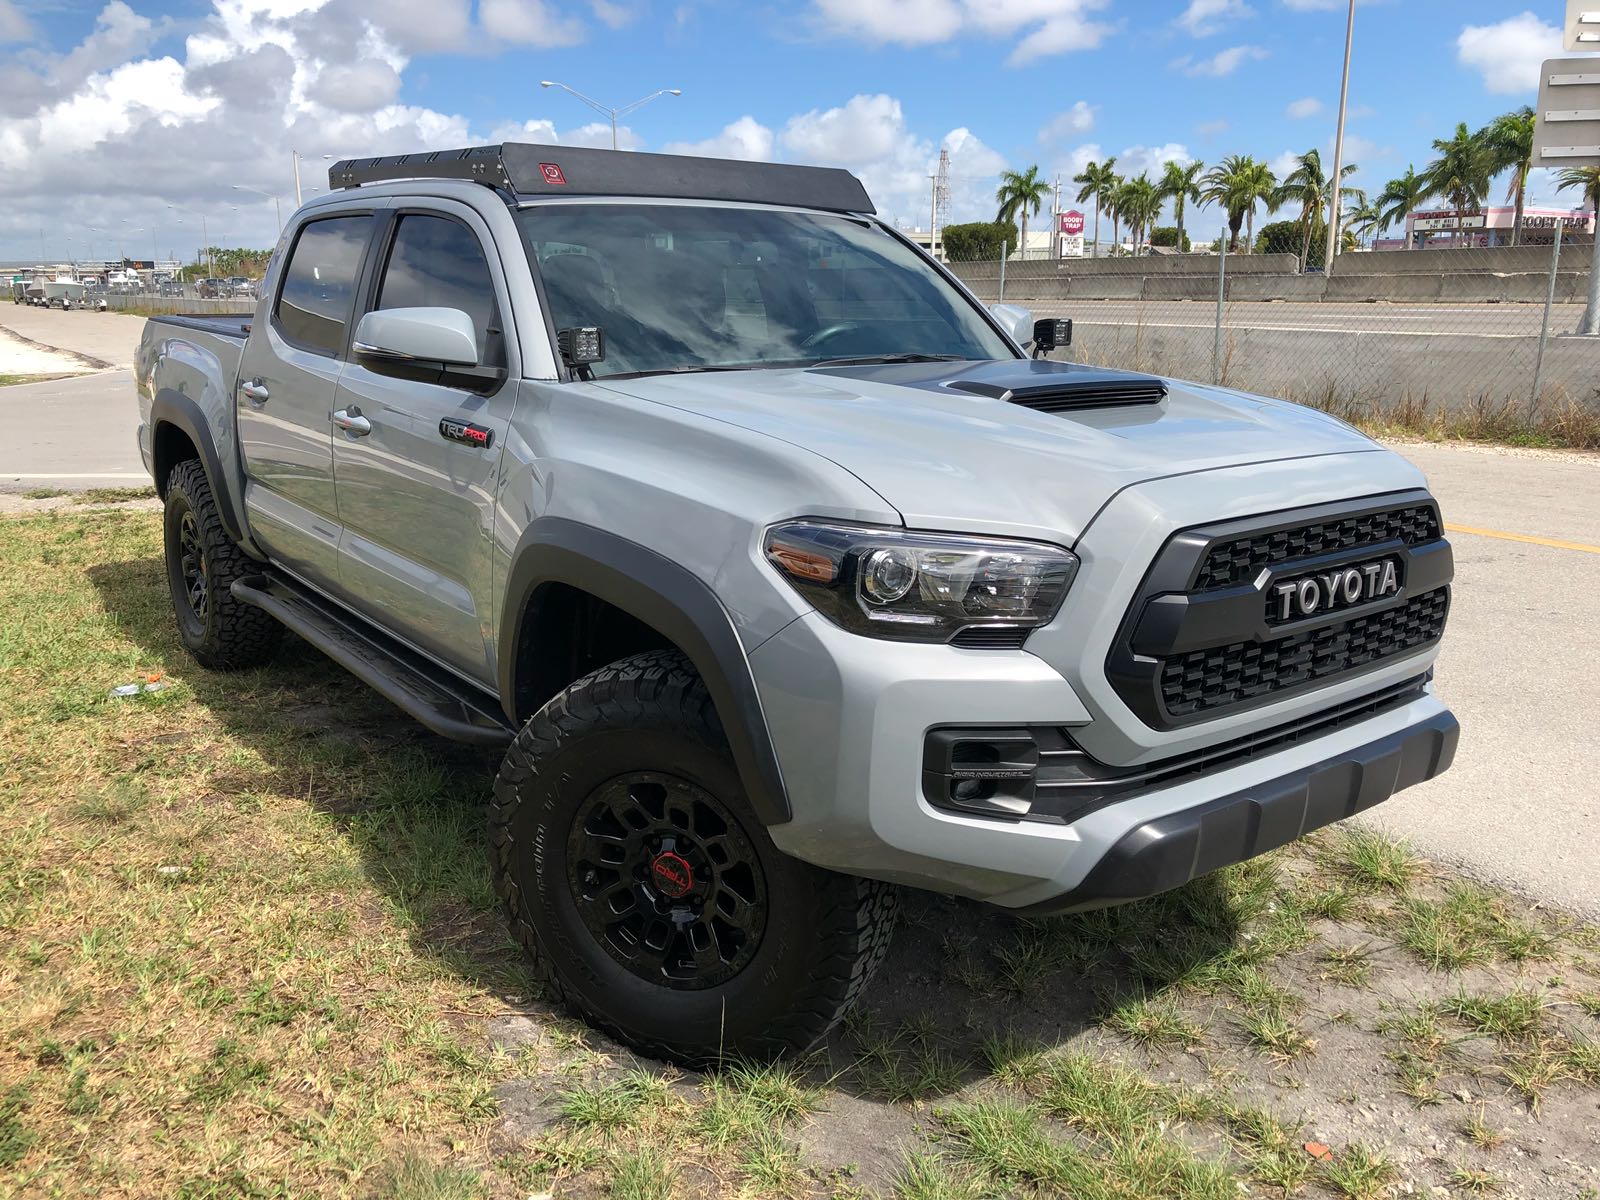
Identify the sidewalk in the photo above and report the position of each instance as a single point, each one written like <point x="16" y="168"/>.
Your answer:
<point x="108" y="339"/>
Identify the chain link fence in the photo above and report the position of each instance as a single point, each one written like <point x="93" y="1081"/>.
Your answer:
<point x="1469" y="342"/>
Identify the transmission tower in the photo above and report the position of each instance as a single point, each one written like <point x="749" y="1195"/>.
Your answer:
<point x="940" y="201"/>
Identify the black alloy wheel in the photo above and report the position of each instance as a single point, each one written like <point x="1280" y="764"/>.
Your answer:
<point x="666" y="880"/>
<point x="192" y="565"/>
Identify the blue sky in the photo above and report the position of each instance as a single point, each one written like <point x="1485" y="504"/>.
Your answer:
<point x="112" y="111"/>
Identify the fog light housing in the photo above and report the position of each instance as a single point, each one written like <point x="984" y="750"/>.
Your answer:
<point x="984" y="772"/>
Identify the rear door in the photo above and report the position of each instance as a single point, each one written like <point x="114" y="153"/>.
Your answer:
<point x="287" y="380"/>
<point x="417" y="505"/>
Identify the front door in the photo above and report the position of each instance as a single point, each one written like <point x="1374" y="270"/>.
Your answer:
<point x="287" y="380"/>
<point x="416" y="491"/>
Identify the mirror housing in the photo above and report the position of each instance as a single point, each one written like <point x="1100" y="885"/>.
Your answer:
<point x="1015" y="320"/>
<point x="442" y="336"/>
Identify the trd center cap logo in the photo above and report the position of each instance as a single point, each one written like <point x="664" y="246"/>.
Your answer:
<point x="671" y="874"/>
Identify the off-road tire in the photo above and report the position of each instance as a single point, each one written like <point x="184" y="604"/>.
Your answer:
<point x="824" y="933"/>
<point x="224" y="634"/>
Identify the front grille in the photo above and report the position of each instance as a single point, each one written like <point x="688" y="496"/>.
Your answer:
<point x="1204" y="637"/>
<point x="1241" y="560"/>
<point x="1226" y="675"/>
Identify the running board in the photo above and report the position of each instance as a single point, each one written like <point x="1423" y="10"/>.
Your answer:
<point x="443" y="703"/>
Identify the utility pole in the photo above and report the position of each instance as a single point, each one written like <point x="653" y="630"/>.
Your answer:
<point x="605" y="109"/>
<point x="1338" y="143"/>
<point x="933" y="216"/>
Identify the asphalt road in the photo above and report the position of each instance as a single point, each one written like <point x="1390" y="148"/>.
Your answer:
<point x="1484" y="320"/>
<point x="1521" y="663"/>
<point x="70" y="433"/>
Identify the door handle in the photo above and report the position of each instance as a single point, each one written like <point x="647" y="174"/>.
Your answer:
<point x="352" y="422"/>
<point x="256" y="392"/>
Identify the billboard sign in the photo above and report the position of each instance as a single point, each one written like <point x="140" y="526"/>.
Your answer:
<point x="1582" y="32"/>
<point x="1437" y="221"/>
<point x="1072" y="223"/>
<point x="1072" y="245"/>
<point x="1566" y="128"/>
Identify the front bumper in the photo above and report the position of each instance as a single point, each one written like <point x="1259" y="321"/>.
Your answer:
<point x="850" y="718"/>
<point x="1169" y="851"/>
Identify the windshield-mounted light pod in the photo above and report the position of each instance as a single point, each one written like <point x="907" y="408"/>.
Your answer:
<point x="920" y="587"/>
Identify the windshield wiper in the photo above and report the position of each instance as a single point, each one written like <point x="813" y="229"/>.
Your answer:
<point x="909" y="357"/>
<point x="684" y="370"/>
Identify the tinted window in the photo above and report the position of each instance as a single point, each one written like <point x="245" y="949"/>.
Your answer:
<point x="689" y="286"/>
<point x="319" y="280"/>
<point x="437" y="263"/>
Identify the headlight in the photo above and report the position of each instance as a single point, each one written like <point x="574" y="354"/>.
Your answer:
<point x="920" y="587"/>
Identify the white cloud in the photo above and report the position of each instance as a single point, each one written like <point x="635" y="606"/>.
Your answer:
<point x="1149" y="160"/>
<point x="356" y="87"/>
<point x="1204" y="17"/>
<point x="1046" y="27"/>
<point x="746" y="138"/>
<point x="14" y="27"/>
<point x="529" y="22"/>
<point x="1508" y="53"/>
<point x="1310" y="106"/>
<point x="1061" y="127"/>
<point x="1224" y="62"/>
<point x="1285" y="163"/>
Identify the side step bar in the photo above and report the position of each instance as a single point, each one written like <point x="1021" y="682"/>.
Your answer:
<point x="443" y="703"/>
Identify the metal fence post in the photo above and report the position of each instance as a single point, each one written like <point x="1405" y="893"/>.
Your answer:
<point x="1005" y="250"/>
<point x="1222" y="286"/>
<point x="1549" y="302"/>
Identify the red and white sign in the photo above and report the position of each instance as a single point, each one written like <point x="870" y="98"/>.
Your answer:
<point x="1072" y="223"/>
<point x="552" y="173"/>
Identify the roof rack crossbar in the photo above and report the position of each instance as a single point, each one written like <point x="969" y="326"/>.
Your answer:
<point x="531" y="170"/>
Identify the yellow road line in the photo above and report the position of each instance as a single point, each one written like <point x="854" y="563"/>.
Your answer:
<point x="1524" y="537"/>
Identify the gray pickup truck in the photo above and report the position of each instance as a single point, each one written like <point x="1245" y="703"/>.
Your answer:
<point x="780" y="569"/>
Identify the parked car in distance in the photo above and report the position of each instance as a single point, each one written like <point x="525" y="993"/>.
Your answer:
<point x="169" y="285"/>
<point x="781" y="572"/>
<point x="239" y="285"/>
<point x="209" y="289"/>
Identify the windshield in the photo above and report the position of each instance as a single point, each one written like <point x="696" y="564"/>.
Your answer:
<point x="680" y="287"/>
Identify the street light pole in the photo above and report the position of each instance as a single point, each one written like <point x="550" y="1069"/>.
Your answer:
<point x="1338" y="142"/>
<point x="604" y="110"/>
<point x="276" y="208"/>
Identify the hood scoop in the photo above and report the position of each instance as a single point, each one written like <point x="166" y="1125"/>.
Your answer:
<point x="1068" y="391"/>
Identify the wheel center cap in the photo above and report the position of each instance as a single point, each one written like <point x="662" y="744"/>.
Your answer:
<point x="671" y="874"/>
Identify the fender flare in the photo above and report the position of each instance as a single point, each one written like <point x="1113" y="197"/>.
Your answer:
<point x="673" y="602"/>
<point x="174" y="408"/>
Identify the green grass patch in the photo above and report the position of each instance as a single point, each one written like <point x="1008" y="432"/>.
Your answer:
<point x="1469" y="926"/>
<point x="121" y="495"/>
<point x="1154" y="1021"/>
<point x="1515" y="1015"/>
<point x="1373" y="862"/>
<point x="1360" y="1172"/>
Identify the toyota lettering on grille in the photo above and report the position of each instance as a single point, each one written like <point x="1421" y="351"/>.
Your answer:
<point x="1344" y="587"/>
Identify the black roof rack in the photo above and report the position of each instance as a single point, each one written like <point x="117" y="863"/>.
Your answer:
<point x="528" y="170"/>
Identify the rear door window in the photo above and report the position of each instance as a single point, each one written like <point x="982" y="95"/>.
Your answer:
<point x="319" y="282"/>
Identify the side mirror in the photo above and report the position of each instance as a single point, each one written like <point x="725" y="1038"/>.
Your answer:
<point x="1015" y="320"/>
<point x="442" y="337"/>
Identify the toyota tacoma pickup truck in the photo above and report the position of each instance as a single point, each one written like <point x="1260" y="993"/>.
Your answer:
<point x="784" y="572"/>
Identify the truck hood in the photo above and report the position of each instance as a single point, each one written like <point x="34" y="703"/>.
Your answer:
<point x="954" y="446"/>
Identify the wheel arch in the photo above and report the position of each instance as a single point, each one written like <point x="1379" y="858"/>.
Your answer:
<point x="663" y="596"/>
<point x="179" y="430"/>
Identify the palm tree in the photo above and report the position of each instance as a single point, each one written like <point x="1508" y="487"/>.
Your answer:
<point x="1509" y="141"/>
<point x="1099" y="180"/>
<point x="1139" y="200"/>
<point x="1239" y="183"/>
<point x="1588" y="180"/>
<point x="1181" y="183"/>
<point x="1402" y="197"/>
<point x="1021" y="195"/>
<point x="1308" y="183"/>
<point x="1461" y="172"/>
<point x="1114" y="211"/>
<point x="1363" y="218"/>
